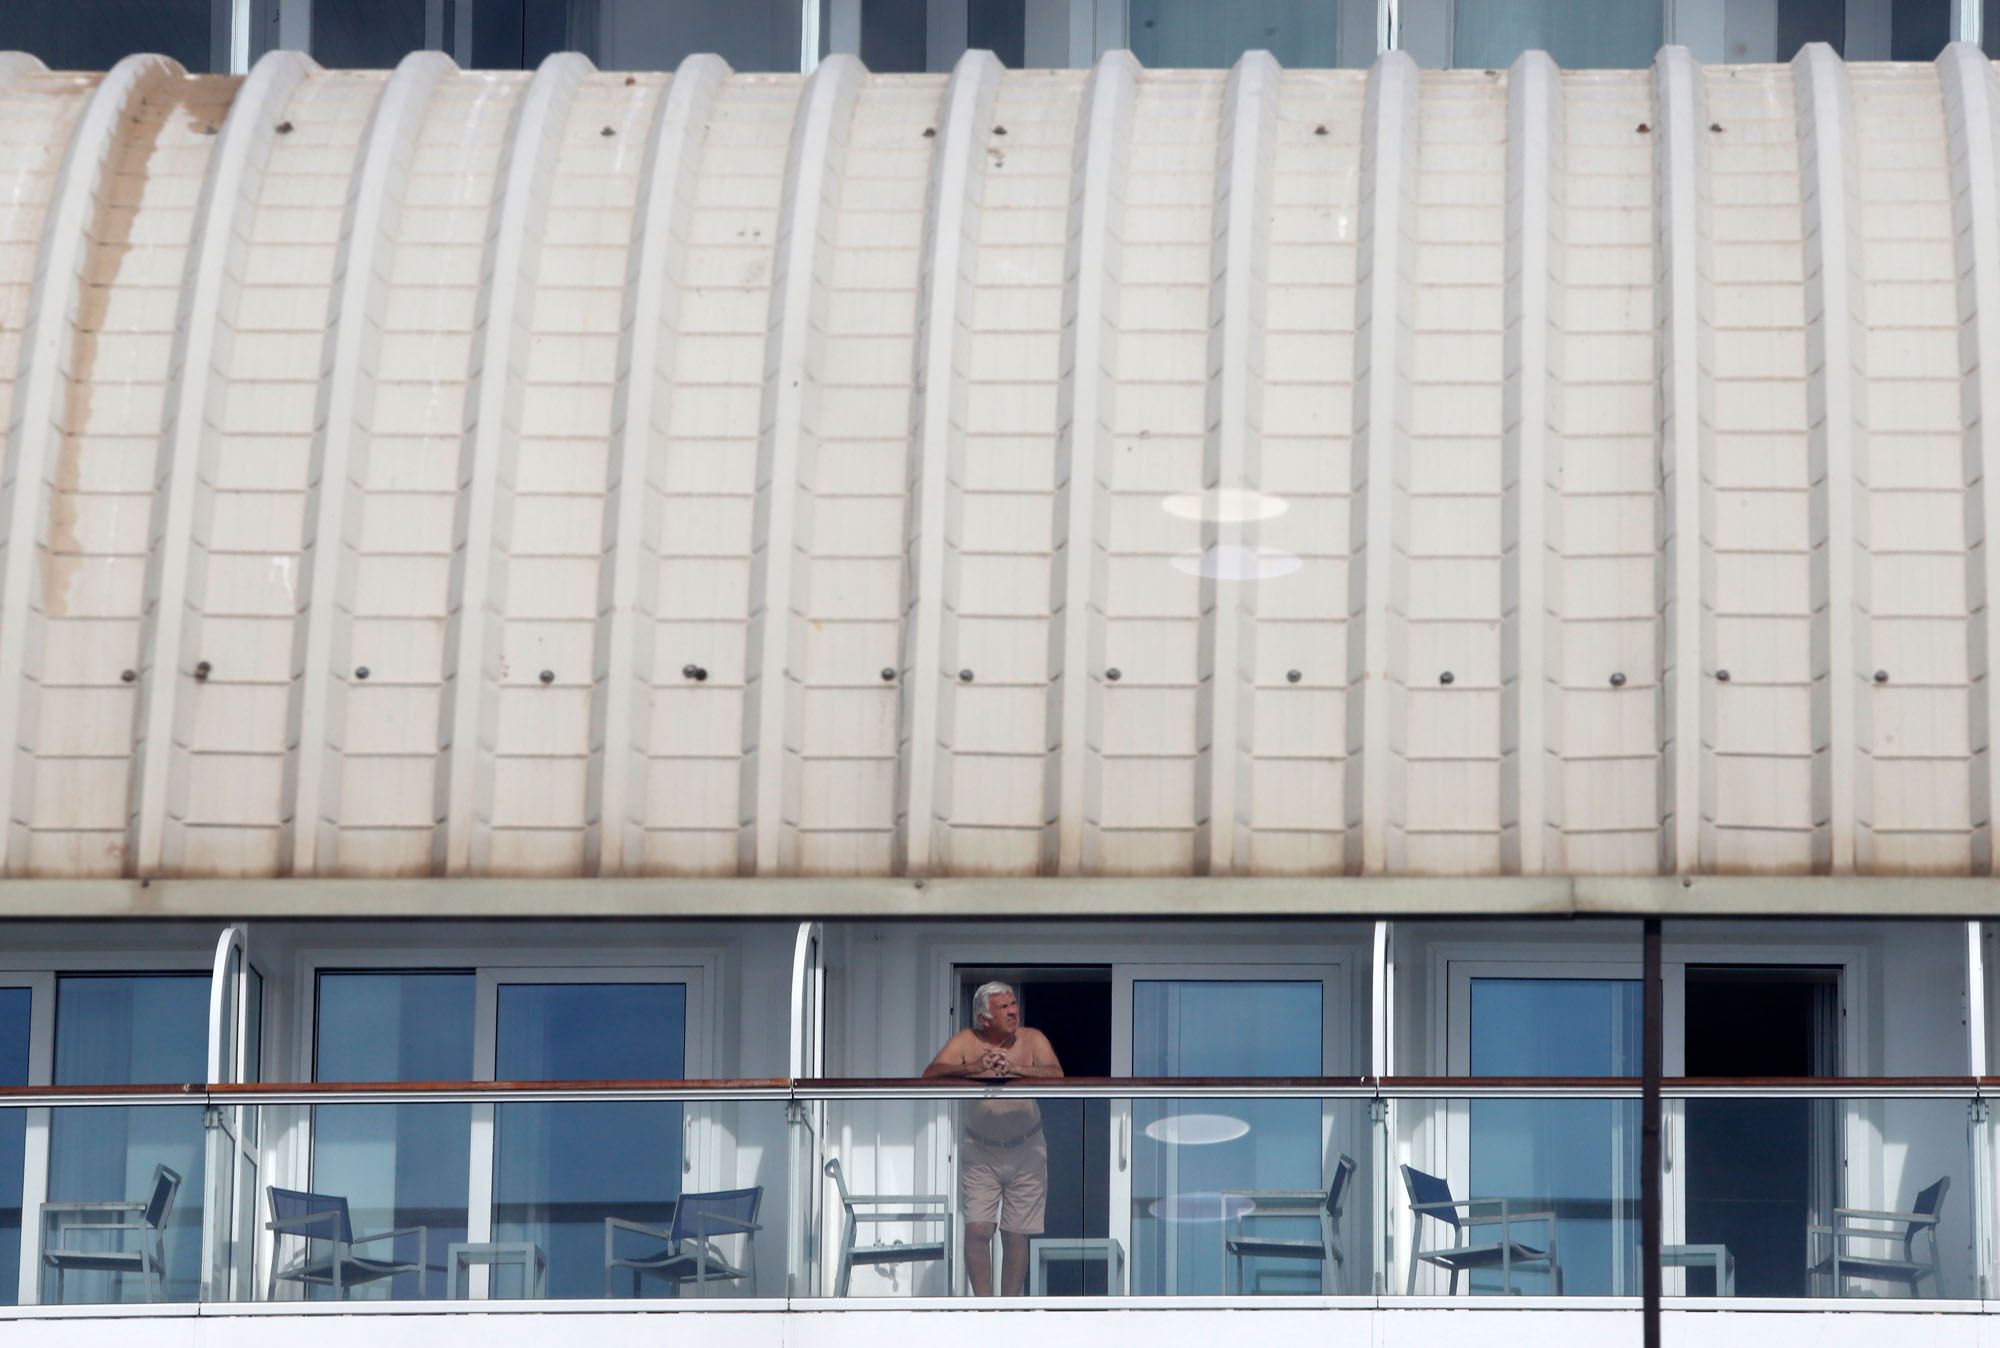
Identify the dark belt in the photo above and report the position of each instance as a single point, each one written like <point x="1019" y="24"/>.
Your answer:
<point x="1002" y="1143"/>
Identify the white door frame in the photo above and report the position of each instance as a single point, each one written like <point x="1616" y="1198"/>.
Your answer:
<point x="1553" y="959"/>
<point x="696" y="1125"/>
<point x="41" y="988"/>
<point x="697" y="967"/>
<point x="1186" y="953"/>
<point x="39" y="971"/>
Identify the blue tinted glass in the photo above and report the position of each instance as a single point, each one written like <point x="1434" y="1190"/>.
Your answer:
<point x="1579" y="34"/>
<point x="15" y="1007"/>
<point x="396" y="1165"/>
<point x="95" y="34"/>
<point x="1195" y="34"/>
<point x="560" y="1169"/>
<point x="1189" y="1156"/>
<point x="148" y="1028"/>
<point x="1578" y="1158"/>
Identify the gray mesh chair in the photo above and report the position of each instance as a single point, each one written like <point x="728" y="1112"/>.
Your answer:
<point x="1431" y="1197"/>
<point x="1841" y="1261"/>
<point x="690" y="1254"/>
<point x="1295" y="1205"/>
<point x="327" y="1242"/>
<point x="882" y="1209"/>
<point x="73" y="1236"/>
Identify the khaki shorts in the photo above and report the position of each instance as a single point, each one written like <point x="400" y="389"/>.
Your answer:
<point x="1008" y="1183"/>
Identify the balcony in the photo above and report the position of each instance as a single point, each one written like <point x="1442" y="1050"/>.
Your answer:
<point x="815" y="1196"/>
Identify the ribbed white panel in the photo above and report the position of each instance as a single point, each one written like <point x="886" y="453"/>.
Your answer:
<point x="788" y="455"/>
<point x="656" y="269"/>
<point x="37" y="112"/>
<point x="1532" y="309"/>
<point x="937" y="468"/>
<point x="406" y="532"/>
<point x="1091" y="321"/>
<point x="699" y="589"/>
<point x="519" y="788"/>
<point x="1837" y="423"/>
<point x="1166" y="437"/>
<point x="171" y="783"/>
<point x="1604" y="517"/>
<point x="1972" y="110"/>
<point x="1233" y="453"/>
<point x="1378" y="586"/>
<point x="1300" y="806"/>
<point x="1686" y="446"/>
<point x="1914" y="786"/>
<point x="849" y="613"/>
<point x="1006" y="565"/>
<point x="81" y="469"/>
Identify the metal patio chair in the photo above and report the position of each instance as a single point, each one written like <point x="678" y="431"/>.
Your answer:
<point x="136" y="1246"/>
<point x="1294" y="1204"/>
<point x="1866" y="1225"/>
<point x="1431" y="1197"/>
<point x="327" y="1242"/>
<point x="690" y="1254"/>
<point x="919" y="1209"/>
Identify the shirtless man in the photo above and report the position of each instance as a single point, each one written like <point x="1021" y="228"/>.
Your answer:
<point x="1003" y="1170"/>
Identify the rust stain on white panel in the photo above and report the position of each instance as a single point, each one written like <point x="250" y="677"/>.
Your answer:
<point x="1264" y="472"/>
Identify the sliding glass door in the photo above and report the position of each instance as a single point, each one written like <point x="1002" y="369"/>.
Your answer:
<point x="398" y="1166"/>
<point x="1189" y="1169"/>
<point x="1577" y="1158"/>
<point x="114" y="1029"/>
<point x="560" y="1169"/>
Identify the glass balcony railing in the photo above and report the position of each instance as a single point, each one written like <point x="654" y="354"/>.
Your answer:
<point x="874" y="1191"/>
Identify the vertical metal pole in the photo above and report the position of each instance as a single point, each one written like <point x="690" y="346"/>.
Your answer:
<point x="1652" y="1058"/>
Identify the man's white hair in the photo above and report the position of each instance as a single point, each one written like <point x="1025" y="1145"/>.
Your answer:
<point x="982" y="1000"/>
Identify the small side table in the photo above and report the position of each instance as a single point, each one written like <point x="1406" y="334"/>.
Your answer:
<point x="1044" y="1250"/>
<point x="462" y="1255"/>
<point x="1716" y="1257"/>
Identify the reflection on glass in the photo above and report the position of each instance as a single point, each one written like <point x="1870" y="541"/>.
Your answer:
<point x="16" y="1004"/>
<point x="560" y="1169"/>
<point x="1199" y="34"/>
<point x="113" y="1029"/>
<point x="396" y="1165"/>
<point x="1577" y="1157"/>
<point x="1579" y="34"/>
<point x="1185" y="1198"/>
<point x="363" y="34"/>
<point x="96" y="34"/>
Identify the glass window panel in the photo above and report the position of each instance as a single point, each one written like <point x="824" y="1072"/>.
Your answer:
<point x="95" y="34"/>
<point x="1918" y="29"/>
<point x="1579" y="34"/>
<point x="893" y="35"/>
<point x="367" y="34"/>
<point x="1187" y="1156"/>
<point x="1001" y="27"/>
<point x="1577" y="1157"/>
<point x="16" y="1006"/>
<point x="396" y="1165"/>
<point x="658" y="34"/>
<point x="560" y="1169"/>
<point x="118" y="1029"/>
<point x="1197" y="34"/>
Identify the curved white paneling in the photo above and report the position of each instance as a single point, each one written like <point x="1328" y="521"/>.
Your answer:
<point x="1113" y="472"/>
